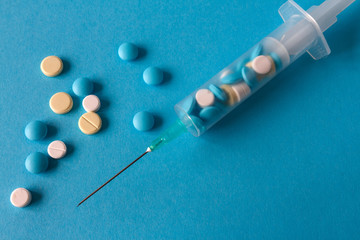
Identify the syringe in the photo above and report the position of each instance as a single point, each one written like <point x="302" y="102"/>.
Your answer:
<point x="302" y="31"/>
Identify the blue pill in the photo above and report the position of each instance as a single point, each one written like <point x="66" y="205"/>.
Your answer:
<point x="232" y="78"/>
<point x="257" y="51"/>
<point x="249" y="76"/>
<point x="35" y="130"/>
<point x="36" y="162"/>
<point x="199" y="124"/>
<point x="209" y="113"/>
<point x="218" y="92"/>
<point x="153" y="76"/>
<point x="143" y="121"/>
<point x="128" y="51"/>
<point x="188" y="104"/>
<point x="277" y="60"/>
<point x="82" y="87"/>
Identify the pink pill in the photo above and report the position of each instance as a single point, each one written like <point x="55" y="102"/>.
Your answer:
<point x="261" y="65"/>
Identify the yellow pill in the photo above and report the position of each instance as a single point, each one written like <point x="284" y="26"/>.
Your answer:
<point x="51" y="66"/>
<point x="61" y="103"/>
<point x="232" y="96"/>
<point x="90" y="123"/>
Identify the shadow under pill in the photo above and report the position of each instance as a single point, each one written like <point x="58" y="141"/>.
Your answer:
<point x="158" y="122"/>
<point x="52" y="131"/>
<point x="97" y="87"/>
<point x="142" y="52"/>
<point x="105" y="123"/>
<point x="104" y="105"/>
<point x="52" y="164"/>
<point x="167" y="78"/>
<point x="76" y="102"/>
<point x="35" y="197"/>
<point x="69" y="149"/>
<point x="66" y="65"/>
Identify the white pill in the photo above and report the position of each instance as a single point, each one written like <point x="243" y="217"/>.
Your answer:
<point x="91" y="103"/>
<point x="261" y="64"/>
<point x="20" y="197"/>
<point x="242" y="90"/>
<point x="57" y="149"/>
<point x="205" y="98"/>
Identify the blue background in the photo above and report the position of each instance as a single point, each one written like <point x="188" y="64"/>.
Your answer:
<point x="284" y="165"/>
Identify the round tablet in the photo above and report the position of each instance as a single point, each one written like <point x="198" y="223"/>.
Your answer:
<point x="218" y="92"/>
<point x="35" y="130"/>
<point x="51" y="66"/>
<point x="90" y="123"/>
<point x="82" y="87"/>
<point x="205" y="98"/>
<point x="231" y="95"/>
<point x="61" y="103"/>
<point x="91" y="103"/>
<point x="153" y="76"/>
<point x="20" y="197"/>
<point x="128" y="51"/>
<point x="57" y="149"/>
<point x="143" y="121"/>
<point x="36" y="162"/>
<point x="261" y="64"/>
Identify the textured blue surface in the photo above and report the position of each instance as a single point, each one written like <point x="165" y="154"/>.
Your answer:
<point x="284" y="165"/>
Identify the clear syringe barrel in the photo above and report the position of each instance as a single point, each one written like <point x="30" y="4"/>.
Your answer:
<point x="299" y="33"/>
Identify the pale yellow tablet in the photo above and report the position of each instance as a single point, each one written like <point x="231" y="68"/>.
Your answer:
<point x="51" y="66"/>
<point x="90" y="123"/>
<point x="61" y="103"/>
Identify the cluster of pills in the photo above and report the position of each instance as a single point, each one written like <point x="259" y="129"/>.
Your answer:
<point x="230" y="87"/>
<point x="60" y="103"/>
<point x="142" y="121"/>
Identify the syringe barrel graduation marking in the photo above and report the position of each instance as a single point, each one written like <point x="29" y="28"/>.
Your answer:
<point x="299" y="33"/>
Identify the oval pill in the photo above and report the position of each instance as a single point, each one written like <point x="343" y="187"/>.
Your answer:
<point x="90" y="123"/>
<point x="36" y="162"/>
<point x="128" y="51"/>
<point x="205" y="98"/>
<point x="82" y="87"/>
<point x="218" y="92"/>
<point x="208" y="113"/>
<point x="51" y="66"/>
<point x="91" y="103"/>
<point x="57" y="149"/>
<point x="153" y="76"/>
<point x="188" y="105"/>
<point x="261" y="65"/>
<point x="143" y="121"/>
<point x="20" y="197"/>
<point x="35" y="130"/>
<point x="249" y="77"/>
<point x="61" y="103"/>
<point x="232" y="78"/>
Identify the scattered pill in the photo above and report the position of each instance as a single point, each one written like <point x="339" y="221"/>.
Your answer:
<point x="209" y="113"/>
<point x="230" y="94"/>
<point x="143" y="121"/>
<point x="61" y="103"/>
<point x="57" y="149"/>
<point x="205" y="98"/>
<point x="91" y="103"/>
<point x="188" y="105"/>
<point x="128" y="51"/>
<point x="242" y="90"/>
<point x="35" y="130"/>
<point x="249" y="77"/>
<point x="257" y="51"/>
<point x="82" y="87"/>
<point x="36" y="162"/>
<point x="153" y="76"/>
<point x="232" y="78"/>
<point x="218" y="92"/>
<point x="261" y="65"/>
<point x="20" y="197"/>
<point x="51" y="66"/>
<point x="90" y="123"/>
